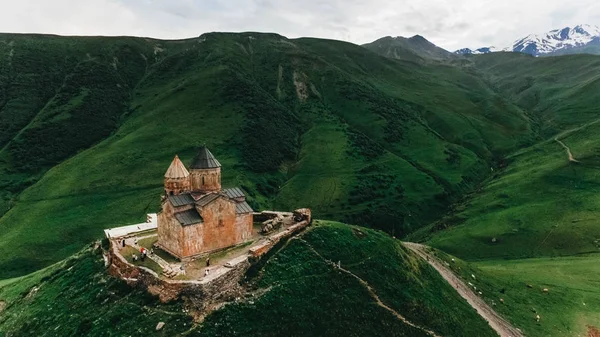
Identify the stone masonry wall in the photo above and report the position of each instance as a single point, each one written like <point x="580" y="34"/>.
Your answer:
<point x="206" y="180"/>
<point x="219" y="229"/>
<point x="170" y="232"/>
<point x="243" y="225"/>
<point x="202" y="296"/>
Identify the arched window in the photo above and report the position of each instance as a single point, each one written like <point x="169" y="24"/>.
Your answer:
<point x="202" y="180"/>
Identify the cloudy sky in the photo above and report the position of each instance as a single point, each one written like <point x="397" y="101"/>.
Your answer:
<point x="451" y="24"/>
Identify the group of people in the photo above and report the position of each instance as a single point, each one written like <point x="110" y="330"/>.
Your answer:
<point x="143" y="253"/>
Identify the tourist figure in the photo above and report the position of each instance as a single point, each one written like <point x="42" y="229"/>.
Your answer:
<point x="208" y="261"/>
<point x="206" y="272"/>
<point x="134" y="257"/>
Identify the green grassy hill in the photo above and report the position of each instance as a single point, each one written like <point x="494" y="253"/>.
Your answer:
<point x="302" y="295"/>
<point x="535" y="221"/>
<point x="540" y="204"/>
<point x="297" y="123"/>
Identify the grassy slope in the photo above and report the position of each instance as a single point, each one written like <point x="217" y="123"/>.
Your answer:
<point x="571" y="304"/>
<point x="519" y="207"/>
<point x="77" y="298"/>
<point x="540" y="205"/>
<point x="306" y="295"/>
<point x="403" y="140"/>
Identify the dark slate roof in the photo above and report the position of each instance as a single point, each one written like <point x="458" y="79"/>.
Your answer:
<point x="243" y="207"/>
<point x="188" y="217"/>
<point x="181" y="200"/>
<point x="234" y="192"/>
<point x="207" y="199"/>
<point x="204" y="160"/>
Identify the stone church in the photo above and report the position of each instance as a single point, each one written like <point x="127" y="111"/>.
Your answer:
<point x="197" y="216"/>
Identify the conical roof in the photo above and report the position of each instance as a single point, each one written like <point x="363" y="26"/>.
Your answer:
<point x="177" y="169"/>
<point x="205" y="160"/>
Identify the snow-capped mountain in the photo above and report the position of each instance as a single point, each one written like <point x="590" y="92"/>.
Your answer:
<point x="582" y="38"/>
<point x="558" y="39"/>
<point x="483" y="50"/>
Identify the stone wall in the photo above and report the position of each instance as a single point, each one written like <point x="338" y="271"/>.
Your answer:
<point x="259" y="251"/>
<point x="177" y="186"/>
<point x="170" y="232"/>
<point x="206" y="180"/>
<point x="243" y="225"/>
<point x="222" y="285"/>
<point x="202" y="296"/>
<point x="219" y="229"/>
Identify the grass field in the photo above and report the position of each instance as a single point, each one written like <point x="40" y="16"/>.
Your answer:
<point x="540" y="205"/>
<point x="515" y="288"/>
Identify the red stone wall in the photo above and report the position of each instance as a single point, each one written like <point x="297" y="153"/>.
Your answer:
<point x="207" y="180"/>
<point x="243" y="224"/>
<point x="170" y="231"/>
<point x="177" y="186"/>
<point x="219" y="225"/>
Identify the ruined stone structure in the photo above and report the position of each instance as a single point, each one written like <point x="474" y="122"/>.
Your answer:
<point x="197" y="216"/>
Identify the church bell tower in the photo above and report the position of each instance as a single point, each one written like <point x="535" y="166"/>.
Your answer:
<point x="205" y="172"/>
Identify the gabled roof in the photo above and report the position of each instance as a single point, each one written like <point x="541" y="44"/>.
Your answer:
<point x="243" y="207"/>
<point x="204" y="160"/>
<point x="207" y="199"/>
<point x="234" y="192"/>
<point x="177" y="169"/>
<point x="181" y="200"/>
<point x="188" y="217"/>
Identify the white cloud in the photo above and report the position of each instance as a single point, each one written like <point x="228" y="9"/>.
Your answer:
<point x="450" y="24"/>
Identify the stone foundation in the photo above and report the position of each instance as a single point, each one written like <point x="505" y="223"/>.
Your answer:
<point x="202" y="296"/>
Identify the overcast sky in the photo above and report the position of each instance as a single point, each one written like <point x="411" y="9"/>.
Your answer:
<point x="451" y="24"/>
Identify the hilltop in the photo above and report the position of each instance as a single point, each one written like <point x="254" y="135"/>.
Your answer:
<point x="307" y="294"/>
<point x="416" y="48"/>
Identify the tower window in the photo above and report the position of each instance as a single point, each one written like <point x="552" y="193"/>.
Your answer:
<point x="202" y="180"/>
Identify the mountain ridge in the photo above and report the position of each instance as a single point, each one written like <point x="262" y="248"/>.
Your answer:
<point x="583" y="38"/>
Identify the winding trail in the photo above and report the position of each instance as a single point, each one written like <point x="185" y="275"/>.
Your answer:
<point x="371" y="292"/>
<point x="571" y="158"/>
<point x="499" y="324"/>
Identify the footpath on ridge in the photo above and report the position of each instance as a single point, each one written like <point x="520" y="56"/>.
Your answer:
<point x="371" y="291"/>
<point x="499" y="324"/>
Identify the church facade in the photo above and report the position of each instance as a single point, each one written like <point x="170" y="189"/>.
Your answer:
<point x="197" y="216"/>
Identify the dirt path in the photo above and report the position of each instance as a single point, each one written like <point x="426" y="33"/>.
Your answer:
<point x="371" y="292"/>
<point x="571" y="158"/>
<point x="499" y="324"/>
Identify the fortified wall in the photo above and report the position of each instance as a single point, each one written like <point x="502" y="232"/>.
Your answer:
<point x="223" y="283"/>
